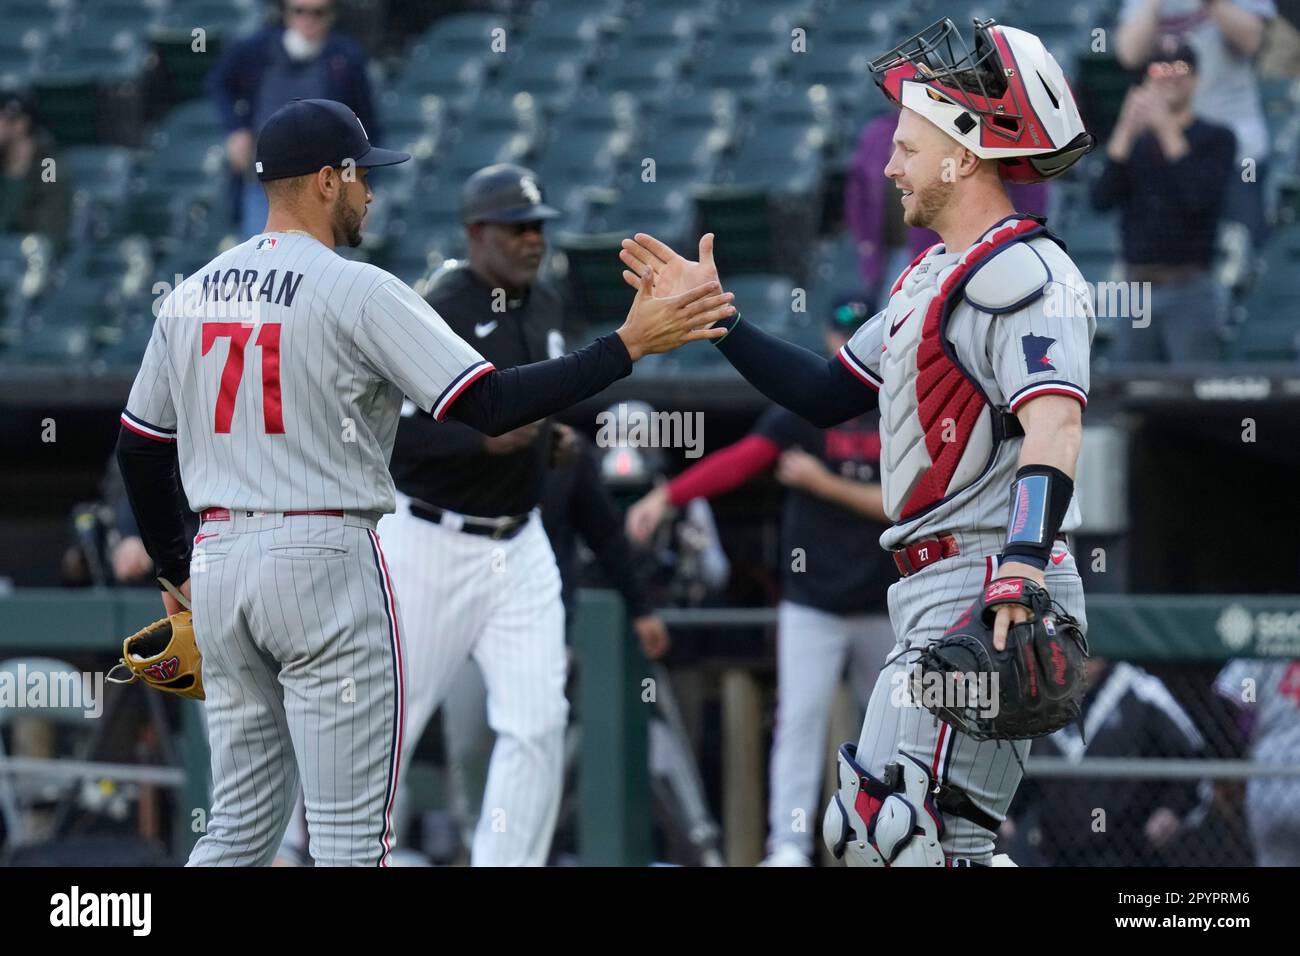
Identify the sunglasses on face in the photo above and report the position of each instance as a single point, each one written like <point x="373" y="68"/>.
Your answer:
<point x="1172" y="68"/>
<point x="319" y="13"/>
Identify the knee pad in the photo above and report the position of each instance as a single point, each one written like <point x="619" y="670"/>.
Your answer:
<point x="890" y="822"/>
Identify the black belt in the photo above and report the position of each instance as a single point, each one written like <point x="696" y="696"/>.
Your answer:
<point x="498" y="529"/>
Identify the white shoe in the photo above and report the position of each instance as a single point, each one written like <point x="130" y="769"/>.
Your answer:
<point x="786" y="855"/>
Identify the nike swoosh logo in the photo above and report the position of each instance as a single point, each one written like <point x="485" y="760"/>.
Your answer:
<point x="484" y="329"/>
<point x="893" y="329"/>
<point x="1058" y="558"/>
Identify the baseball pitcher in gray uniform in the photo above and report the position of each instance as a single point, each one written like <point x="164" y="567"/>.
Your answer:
<point x="979" y="366"/>
<point x="274" y="378"/>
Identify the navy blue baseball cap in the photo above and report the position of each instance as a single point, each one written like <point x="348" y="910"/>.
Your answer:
<point x="305" y="135"/>
<point x="504" y="192"/>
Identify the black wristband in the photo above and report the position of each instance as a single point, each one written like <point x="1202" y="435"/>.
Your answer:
<point x="1040" y="496"/>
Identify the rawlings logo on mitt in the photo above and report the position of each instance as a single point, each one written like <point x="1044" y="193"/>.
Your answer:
<point x="165" y="655"/>
<point x="1037" y="682"/>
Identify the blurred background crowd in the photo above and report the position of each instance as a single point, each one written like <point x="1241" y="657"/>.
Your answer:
<point x="127" y="130"/>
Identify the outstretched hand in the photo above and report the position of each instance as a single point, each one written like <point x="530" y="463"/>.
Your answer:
<point x="659" y="322"/>
<point x="673" y="274"/>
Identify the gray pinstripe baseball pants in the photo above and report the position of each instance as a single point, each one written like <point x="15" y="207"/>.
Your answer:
<point x="298" y="627"/>
<point x="921" y="608"/>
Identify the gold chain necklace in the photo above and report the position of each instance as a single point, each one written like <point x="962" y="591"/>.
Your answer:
<point x="297" y="232"/>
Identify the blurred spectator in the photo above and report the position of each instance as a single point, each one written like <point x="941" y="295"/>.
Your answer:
<point x="1168" y="171"/>
<point x="302" y="58"/>
<point x="106" y="547"/>
<point x="1266" y="697"/>
<point x="1281" y="53"/>
<point x="874" y="215"/>
<point x="1227" y="35"/>
<point x="32" y="199"/>
<point x="1083" y="821"/>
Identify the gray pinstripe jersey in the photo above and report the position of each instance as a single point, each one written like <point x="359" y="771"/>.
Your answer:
<point x="279" y="370"/>
<point x="1014" y="355"/>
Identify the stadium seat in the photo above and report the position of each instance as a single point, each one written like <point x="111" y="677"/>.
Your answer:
<point x="766" y="299"/>
<point x="466" y="32"/>
<point x="21" y="16"/>
<point x="1260" y="339"/>
<point x="195" y="121"/>
<point x="668" y="26"/>
<point x="551" y="79"/>
<point x="642" y="71"/>
<point x="107" y="56"/>
<point x="98" y="177"/>
<point x="112" y="16"/>
<point x="565" y="30"/>
<point x="740" y="217"/>
<point x="60" y="346"/>
<point x="226" y="17"/>
<point x="594" y="275"/>
<point x="67" y="102"/>
<point x="20" y="52"/>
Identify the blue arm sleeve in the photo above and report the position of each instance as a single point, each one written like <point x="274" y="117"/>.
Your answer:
<point x="820" y="390"/>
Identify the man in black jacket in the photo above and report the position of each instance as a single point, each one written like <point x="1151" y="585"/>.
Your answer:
<point x="466" y="536"/>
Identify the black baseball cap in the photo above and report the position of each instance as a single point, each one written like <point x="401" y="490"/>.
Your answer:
<point x="305" y="135"/>
<point x="504" y="192"/>
<point x="848" y="313"/>
<point x="1171" y="48"/>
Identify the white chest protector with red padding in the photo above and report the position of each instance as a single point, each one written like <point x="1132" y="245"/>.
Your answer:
<point x="939" y="431"/>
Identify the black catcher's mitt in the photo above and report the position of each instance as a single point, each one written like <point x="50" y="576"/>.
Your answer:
<point x="1030" y="689"/>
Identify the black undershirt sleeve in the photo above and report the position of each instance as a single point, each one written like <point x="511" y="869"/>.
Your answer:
<point x="507" y="398"/>
<point x="151" y="476"/>
<point x="820" y="390"/>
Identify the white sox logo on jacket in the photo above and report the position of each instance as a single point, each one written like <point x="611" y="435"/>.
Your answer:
<point x="939" y="429"/>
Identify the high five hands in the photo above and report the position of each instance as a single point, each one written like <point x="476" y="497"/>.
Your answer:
<point x="676" y="300"/>
<point x="673" y="274"/>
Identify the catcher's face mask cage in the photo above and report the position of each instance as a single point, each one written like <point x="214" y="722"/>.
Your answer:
<point x="979" y="96"/>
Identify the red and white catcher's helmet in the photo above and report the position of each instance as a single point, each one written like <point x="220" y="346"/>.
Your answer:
<point x="1006" y="100"/>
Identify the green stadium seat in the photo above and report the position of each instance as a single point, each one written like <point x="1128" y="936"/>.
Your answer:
<point x="1266" y="340"/>
<point x="564" y="30"/>
<point x="551" y="79"/>
<point x="639" y="70"/>
<point x="454" y="75"/>
<point x="466" y="32"/>
<point x="740" y="217"/>
<point x="20" y="52"/>
<point x="21" y="16"/>
<point x="668" y="26"/>
<point x="766" y="300"/>
<point x="227" y="17"/>
<point x="195" y="121"/>
<point x="107" y="56"/>
<point x="594" y="275"/>
<point x="68" y="104"/>
<point x="127" y="350"/>
<point x="54" y="346"/>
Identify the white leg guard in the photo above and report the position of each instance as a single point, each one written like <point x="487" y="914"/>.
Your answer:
<point x="890" y="823"/>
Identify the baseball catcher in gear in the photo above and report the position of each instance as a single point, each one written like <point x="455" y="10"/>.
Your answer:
<point x="165" y="655"/>
<point x="1038" y="679"/>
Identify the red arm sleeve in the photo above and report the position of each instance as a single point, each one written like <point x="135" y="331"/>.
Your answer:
<point x="724" y="470"/>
